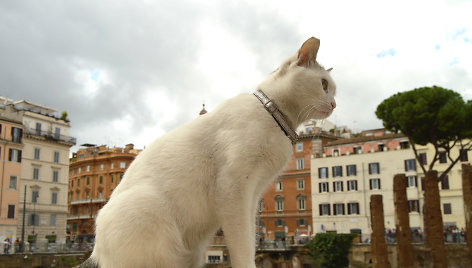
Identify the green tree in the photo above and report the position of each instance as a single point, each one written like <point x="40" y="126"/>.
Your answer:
<point x="430" y="115"/>
<point x="440" y="117"/>
<point x="330" y="250"/>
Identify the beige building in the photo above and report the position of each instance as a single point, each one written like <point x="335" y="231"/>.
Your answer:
<point x="351" y="170"/>
<point x="44" y="172"/>
<point x="11" y="147"/>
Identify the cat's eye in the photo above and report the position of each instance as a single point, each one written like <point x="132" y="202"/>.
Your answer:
<point x="324" y="83"/>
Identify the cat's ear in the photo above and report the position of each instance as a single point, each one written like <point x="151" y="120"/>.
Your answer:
<point x="308" y="51"/>
<point x="330" y="69"/>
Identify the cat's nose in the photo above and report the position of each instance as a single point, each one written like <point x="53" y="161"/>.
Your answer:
<point x="333" y="105"/>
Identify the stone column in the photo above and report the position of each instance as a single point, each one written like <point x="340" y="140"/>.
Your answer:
<point x="467" y="194"/>
<point x="433" y="222"/>
<point x="402" y="222"/>
<point x="378" y="244"/>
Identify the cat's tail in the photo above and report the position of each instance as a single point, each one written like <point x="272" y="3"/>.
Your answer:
<point x="89" y="263"/>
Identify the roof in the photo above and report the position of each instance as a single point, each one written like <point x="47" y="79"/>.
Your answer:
<point x="366" y="139"/>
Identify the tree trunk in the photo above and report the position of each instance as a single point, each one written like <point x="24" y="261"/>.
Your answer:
<point x="378" y="244"/>
<point x="434" y="229"/>
<point x="467" y="194"/>
<point x="402" y="222"/>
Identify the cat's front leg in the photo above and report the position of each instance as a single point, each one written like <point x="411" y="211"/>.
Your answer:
<point x="238" y="226"/>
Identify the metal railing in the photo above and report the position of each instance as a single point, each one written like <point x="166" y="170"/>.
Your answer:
<point x="50" y="135"/>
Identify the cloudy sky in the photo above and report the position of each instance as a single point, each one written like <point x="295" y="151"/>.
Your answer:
<point x="130" y="71"/>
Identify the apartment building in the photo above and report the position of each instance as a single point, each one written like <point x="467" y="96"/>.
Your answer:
<point x="285" y="211"/>
<point x="351" y="170"/>
<point x="94" y="173"/>
<point x="11" y="147"/>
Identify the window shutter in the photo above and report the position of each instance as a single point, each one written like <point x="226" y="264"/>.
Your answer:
<point x="334" y="186"/>
<point x="10" y="152"/>
<point x="378" y="168"/>
<point x="319" y="173"/>
<point x="344" y="213"/>
<point x="370" y="168"/>
<point x="355" y="170"/>
<point x="319" y="186"/>
<point x="406" y="166"/>
<point x="349" y="208"/>
<point x="321" y="212"/>
<point x="357" y="208"/>
<point x="414" y="164"/>
<point x="19" y="156"/>
<point x="370" y="184"/>
<point x="355" y="183"/>
<point x="327" y="172"/>
<point x="342" y="186"/>
<point x="416" y="181"/>
<point x="327" y="187"/>
<point x="380" y="187"/>
<point x="329" y="210"/>
<point x="348" y="185"/>
<point x="335" y="212"/>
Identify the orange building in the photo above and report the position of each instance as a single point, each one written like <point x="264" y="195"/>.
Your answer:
<point x="11" y="147"/>
<point x="94" y="173"/>
<point x="285" y="209"/>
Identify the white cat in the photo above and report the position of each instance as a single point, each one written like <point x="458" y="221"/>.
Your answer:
<point x="209" y="174"/>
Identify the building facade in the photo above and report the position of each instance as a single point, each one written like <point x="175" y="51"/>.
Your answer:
<point x="94" y="173"/>
<point x="44" y="173"/>
<point x="11" y="147"/>
<point x="351" y="170"/>
<point x="285" y="209"/>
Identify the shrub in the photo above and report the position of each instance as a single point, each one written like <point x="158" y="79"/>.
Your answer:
<point x="330" y="250"/>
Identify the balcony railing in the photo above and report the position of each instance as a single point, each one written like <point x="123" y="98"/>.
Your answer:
<point x="50" y="135"/>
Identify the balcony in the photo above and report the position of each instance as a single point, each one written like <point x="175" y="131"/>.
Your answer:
<point x="99" y="200"/>
<point x="49" y="135"/>
<point x="78" y="202"/>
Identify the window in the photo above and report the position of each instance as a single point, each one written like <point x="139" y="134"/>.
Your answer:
<point x="16" y="134"/>
<point x="56" y="157"/>
<point x="337" y="186"/>
<point x="101" y="179"/>
<point x="413" y="206"/>
<point x="301" y="202"/>
<point x="214" y="259"/>
<point x="352" y="185"/>
<point x="442" y="157"/>
<point x="324" y="187"/>
<point x="357" y="150"/>
<point x="412" y="181"/>
<point x="300" y="163"/>
<point x="279" y="223"/>
<point x="52" y="220"/>
<point x="35" y="173"/>
<point x="37" y="152"/>
<point x="381" y="147"/>
<point x="463" y="155"/>
<point x="57" y="133"/>
<point x="54" y="198"/>
<point x="14" y="155"/>
<point x="374" y="184"/>
<point x="301" y="222"/>
<point x="101" y="166"/>
<point x="353" y="208"/>
<point x="323" y="173"/>
<point x="38" y="129"/>
<point x="423" y="160"/>
<point x="88" y="180"/>
<point x="279" y="186"/>
<point x="447" y="209"/>
<point x="279" y="203"/>
<point x="301" y="184"/>
<point x="111" y="166"/>
<point x="122" y="164"/>
<point x="337" y="171"/>
<point x="79" y="170"/>
<point x="404" y="145"/>
<point x="11" y="212"/>
<point x="335" y="152"/>
<point x="410" y="165"/>
<point x="112" y="178"/>
<point x="88" y="168"/>
<point x="33" y="219"/>
<point x="374" y="168"/>
<point x="338" y="209"/>
<point x="34" y="197"/>
<point x="55" y="176"/>
<point x="351" y="170"/>
<point x="325" y="210"/>
<point x="445" y="183"/>
<point x="299" y="147"/>
<point x="13" y="182"/>
<point x="78" y="182"/>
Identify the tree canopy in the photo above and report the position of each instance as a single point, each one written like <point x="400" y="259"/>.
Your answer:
<point x="429" y="115"/>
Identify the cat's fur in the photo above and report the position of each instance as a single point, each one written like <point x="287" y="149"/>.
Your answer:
<point x="209" y="174"/>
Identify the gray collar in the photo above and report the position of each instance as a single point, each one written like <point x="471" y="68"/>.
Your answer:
<point x="279" y="117"/>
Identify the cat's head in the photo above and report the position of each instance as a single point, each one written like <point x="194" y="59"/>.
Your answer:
<point x="309" y="85"/>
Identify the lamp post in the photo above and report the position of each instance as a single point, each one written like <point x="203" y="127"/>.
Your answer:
<point x="22" y="246"/>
